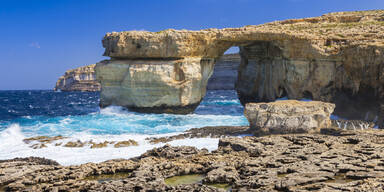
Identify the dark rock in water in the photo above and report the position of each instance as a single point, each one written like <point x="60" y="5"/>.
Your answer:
<point x="292" y="162"/>
<point x="34" y="160"/>
<point x="212" y="132"/>
<point x="164" y="109"/>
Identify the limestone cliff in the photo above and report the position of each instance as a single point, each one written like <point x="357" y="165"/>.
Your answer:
<point x="170" y="86"/>
<point x="337" y="57"/>
<point x="224" y="75"/>
<point x="79" y="79"/>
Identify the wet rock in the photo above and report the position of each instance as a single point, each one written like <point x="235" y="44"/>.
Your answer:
<point x="99" y="145"/>
<point x="291" y="162"/>
<point x="43" y="139"/>
<point x="77" y="143"/>
<point x="126" y="143"/>
<point x="213" y="132"/>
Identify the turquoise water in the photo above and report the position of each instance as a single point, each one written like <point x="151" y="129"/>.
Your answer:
<point x="77" y="116"/>
<point x="57" y="113"/>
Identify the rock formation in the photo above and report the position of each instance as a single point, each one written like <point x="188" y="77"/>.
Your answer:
<point x="83" y="78"/>
<point x="154" y="85"/>
<point x="289" y="116"/>
<point x="352" y="161"/>
<point x="337" y="58"/>
<point x="224" y="75"/>
<point x="79" y="79"/>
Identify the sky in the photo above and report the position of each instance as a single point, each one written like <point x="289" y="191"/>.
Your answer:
<point x="41" y="39"/>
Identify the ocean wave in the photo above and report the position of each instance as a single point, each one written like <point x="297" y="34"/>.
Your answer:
<point x="77" y="116"/>
<point x="13" y="146"/>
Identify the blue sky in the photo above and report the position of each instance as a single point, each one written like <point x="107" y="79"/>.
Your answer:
<point x="41" y="39"/>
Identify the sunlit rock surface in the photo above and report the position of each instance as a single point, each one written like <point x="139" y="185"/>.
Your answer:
<point x="289" y="116"/>
<point x="350" y="161"/>
<point x="337" y="58"/>
<point x="79" y="79"/>
<point x="171" y="86"/>
<point x="223" y="77"/>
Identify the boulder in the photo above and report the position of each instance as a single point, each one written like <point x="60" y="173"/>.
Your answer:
<point x="289" y="116"/>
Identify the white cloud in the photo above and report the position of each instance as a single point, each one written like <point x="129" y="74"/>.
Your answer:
<point x="35" y="45"/>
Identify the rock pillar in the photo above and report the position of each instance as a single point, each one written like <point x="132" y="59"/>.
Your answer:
<point x="154" y="85"/>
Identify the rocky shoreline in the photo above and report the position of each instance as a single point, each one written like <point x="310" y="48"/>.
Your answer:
<point x="289" y="146"/>
<point x="336" y="160"/>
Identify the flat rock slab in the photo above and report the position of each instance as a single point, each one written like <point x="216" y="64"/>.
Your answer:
<point x="289" y="116"/>
<point x="292" y="162"/>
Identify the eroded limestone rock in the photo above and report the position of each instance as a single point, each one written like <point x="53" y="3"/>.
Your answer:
<point x="294" y="162"/>
<point x="171" y="86"/>
<point x="79" y="79"/>
<point x="337" y="58"/>
<point x="289" y="116"/>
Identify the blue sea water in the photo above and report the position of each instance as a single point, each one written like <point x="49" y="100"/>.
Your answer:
<point x="76" y="115"/>
<point x="65" y="113"/>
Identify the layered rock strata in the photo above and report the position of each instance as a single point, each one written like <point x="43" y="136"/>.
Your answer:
<point x="154" y="85"/>
<point x="289" y="116"/>
<point x="79" y="79"/>
<point x="337" y="58"/>
<point x="83" y="78"/>
<point x="351" y="161"/>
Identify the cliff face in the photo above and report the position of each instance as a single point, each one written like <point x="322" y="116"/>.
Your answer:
<point x="79" y="79"/>
<point x="170" y="86"/>
<point x="337" y="58"/>
<point x="224" y="75"/>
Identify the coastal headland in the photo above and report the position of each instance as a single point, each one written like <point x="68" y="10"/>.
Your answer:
<point x="336" y="60"/>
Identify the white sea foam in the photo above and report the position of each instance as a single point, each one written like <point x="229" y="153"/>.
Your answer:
<point x="12" y="146"/>
<point x="76" y="117"/>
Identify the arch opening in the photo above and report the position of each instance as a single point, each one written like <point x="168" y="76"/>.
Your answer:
<point x="261" y="73"/>
<point x="307" y="95"/>
<point x="225" y="70"/>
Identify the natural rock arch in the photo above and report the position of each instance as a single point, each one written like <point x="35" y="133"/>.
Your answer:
<point x="167" y="71"/>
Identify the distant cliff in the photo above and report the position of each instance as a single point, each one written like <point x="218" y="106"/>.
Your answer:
<point x="225" y="73"/>
<point x="79" y="79"/>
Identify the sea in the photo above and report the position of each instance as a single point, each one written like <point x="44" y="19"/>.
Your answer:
<point x="77" y="117"/>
